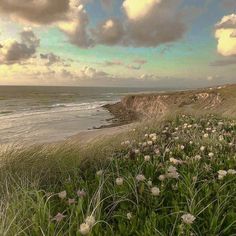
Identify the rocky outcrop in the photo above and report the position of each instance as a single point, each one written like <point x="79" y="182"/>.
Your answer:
<point x="143" y="106"/>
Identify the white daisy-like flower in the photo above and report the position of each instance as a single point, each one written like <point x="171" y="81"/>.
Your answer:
<point x="129" y="216"/>
<point x="162" y="177"/>
<point x="62" y="194"/>
<point x="206" y="135"/>
<point x="188" y="218"/>
<point x="197" y="158"/>
<point x="90" y="220"/>
<point x="155" y="191"/>
<point x="211" y="154"/>
<point x="100" y="172"/>
<point x="147" y="158"/>
<point x="119" y="181"/>
<point x="222" y="174"/>
<point x="231" y="172"/>
<point x="140" y="178"/>
<point x="84" y="229"/>
<point x="202" y="148"/>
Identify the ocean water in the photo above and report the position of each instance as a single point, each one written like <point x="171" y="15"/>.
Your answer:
<point x="45" y="114"/>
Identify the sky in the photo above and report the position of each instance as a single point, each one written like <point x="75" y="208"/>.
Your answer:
<point x="132" y="43"/>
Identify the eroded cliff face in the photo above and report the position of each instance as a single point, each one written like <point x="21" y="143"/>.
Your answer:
<point x="157" y="105"/>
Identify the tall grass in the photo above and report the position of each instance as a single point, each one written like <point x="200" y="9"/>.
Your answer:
<point x="176" y="177"/>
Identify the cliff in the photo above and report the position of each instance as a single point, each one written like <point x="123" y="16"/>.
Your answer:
<point x="221" y="100"/>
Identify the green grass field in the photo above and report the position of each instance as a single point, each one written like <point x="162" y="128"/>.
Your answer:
<point x="176" y="177"/>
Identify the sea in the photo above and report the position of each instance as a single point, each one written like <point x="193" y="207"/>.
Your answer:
<point x="46" y="114"/>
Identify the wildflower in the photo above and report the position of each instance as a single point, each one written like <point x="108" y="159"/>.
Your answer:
<point x="155" y="191"/>
<point x="147" y="158"/>
<point x="188" y="218"/>
<point x="84" y="229"/>
<point x="231" y="172"/>
<point x="129" y="216"/>
<point x="59" y="217"/>
<point x="190" y="142"/>
<point x="119" y="181"/>
<point x="90" y="220"/>
<point x="81" y="193"/>
<point x="157" y="151"/>
<point x="140" y="178"/>
<point x="221" y="138"/>
<point x="211" y="154"/>
<point x="62" y="195"/>
<point x="136" y="151"/>
<point x="167" y="150"/>
<point x="206" y="135"/>
<point x="175" y="161"/>
<point x="144" y="144"/>
<point x="162" y="177"/>
<point x="172" y="173"/>
<point x="100" y="173"/>
<point x="202" y="148"/>
<point x="149" y="183"/>
<point x="182" y="147"/>
<point x="221" y="174"/>
<point x="71" y="201"/>
<point x="197" y="158"/>
<point x="150" y="143"/>
<point x="127" y="142"/>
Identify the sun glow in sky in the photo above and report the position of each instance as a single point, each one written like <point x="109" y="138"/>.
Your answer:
<point x="170" y="43"/>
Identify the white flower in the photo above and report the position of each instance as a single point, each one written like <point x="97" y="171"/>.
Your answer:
<point x="162" y="177"/>
<point x="59" y="217"/>
<point x="157" y="151"/>
<point x="119" y="181"/>
<point x="136" y="151"/>
<point x="211" y="154"/>
<point x="182" y="147"/>
<point x="127" y="142"/>
<point x="175" y="161"/>
<point x="90" y="220"/>
<point x="167" y="150"/>
<point x="172" y="169"/>
<point x="140" y="178"/>
<point x="147" y="158"/>
<point x="231" y="172"/>
<point x="188" y="218"/>
<point x="129" y="216"/>
<point x="81" y="193"/>
<point x="100" y="173"/>
<point x="71" y="201"/>
<point x="150" y="143"/>
<point x="221" y="138"/>
<point x="206" y="135"/>
<point x="155" y="191"/>
<point x="84" y="229"/>
<point x="190" y="142"/>
<point x="62" y="195"/>
<point x="221" y="174"/>
<point x="197" y="158"/>
<point x="202" y="148"/>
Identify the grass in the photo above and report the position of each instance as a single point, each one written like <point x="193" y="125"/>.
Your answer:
<point x="172" y="178"/>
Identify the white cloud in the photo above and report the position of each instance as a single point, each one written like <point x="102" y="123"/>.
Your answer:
<point x="225" y="30"/>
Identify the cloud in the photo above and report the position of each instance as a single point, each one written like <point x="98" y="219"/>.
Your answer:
<point x="153" y="22"/>
<point x="76" y="27"/>
<point x="110" y="32"/>
<point x="92" y="73"/>
<point x="225" y="62"/>
<point x="36" y="11"/>
<point x="113" y="63"/>
<point x="134" y="67"/>
<point x="14" y="52"/>
<point x="140" y="61"/>
<point x="224" y="33"/>
<point x="51" y="58"/>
